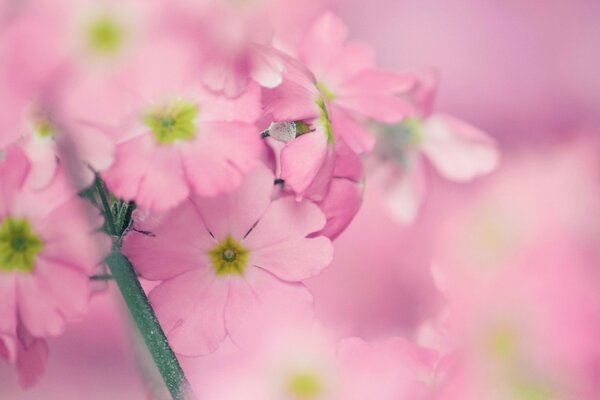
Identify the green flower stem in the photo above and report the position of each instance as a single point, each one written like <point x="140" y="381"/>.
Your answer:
<point x="142" y="313"/>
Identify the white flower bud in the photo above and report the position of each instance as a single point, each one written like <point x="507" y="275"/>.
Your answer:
<point x="283" y="131"/>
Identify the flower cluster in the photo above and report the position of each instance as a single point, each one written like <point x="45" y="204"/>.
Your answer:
<point x="220" y="148"/>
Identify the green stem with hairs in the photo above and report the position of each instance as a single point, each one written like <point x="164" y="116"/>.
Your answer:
<point x="141" y="311"/>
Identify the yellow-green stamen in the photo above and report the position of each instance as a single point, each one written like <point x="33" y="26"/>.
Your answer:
<point x="229" y="257"/>
<point x="177" y="121"/>
<point x="324" y="120"/>
<point x="19" y="245"/>
<point x="328" y="94"/>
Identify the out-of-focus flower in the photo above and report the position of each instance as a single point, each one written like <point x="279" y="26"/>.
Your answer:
<point x="232" y="42"/>
<point x="49" y="240"/>
<point x="522" y="317"/>
<point x="231" y="265"/>
<point x="309" y="364"/>
<point x="458" y="151"/>
<point x="174" y="135"/>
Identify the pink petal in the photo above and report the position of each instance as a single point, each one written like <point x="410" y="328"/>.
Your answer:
<point x="340" y="206"/>
<point x="291" y="102"/>
<point x="148" y="173"/>
<point x="71" y="236"/>
<point x="190" y="310"/>
<point x="320" y="185"/>
<point x="347" y="163"/>
<point x="41" y="152"/>
<point x="8" y="305"/>
<point x="356" y="136"/>
<point x="163" y="246"/>
<point x="236" y="213"/>
<point x="458" y="150"/>
<point x="349" y="60"/>
<point x="9" y="347"/>
<point x="259" y="303"/>
<point x="406" y="192"/>
<point x="43" y="302"/>
<point x="278" y="243"/>
<point x="267" y="67"/>
<point x="381" y="107"/>
<point x="14" y="169"/>
<point x="31" y="362"/>
<point x="302" y="158"/>
<point x="390" y="370"/>
<point x="244" y="108"/>
<point x="215" y="162"/>
<point x="322" y="42"/>
<point x="377" y="80"/>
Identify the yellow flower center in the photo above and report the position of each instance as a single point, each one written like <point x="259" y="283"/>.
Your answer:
<point x="229" y="257"/>
<point x="19" y="245"/>
<point x="105" y="35"/>
<point x="173" y="122"/>
<point x="305" y="386"/>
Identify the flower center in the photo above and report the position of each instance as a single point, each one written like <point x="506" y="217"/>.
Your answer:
<point x="175" y="121"/>
<point x="396" y="141"/>
<point x="19" y="246"/>
<point x="305" y="385"/>
<point x="229" y="257"/>
<point x="105" y="35"/>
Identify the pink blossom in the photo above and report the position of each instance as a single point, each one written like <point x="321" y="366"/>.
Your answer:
<point x="231" y="265"/>
<point x="232" y="41"/>
<point x="174" y="136"/>
<point x="522" y="309"/>
<point x="49" y="240"/>
<point x="458" y="151"/>
<point x="350" y="83"/>
<point x="308" y="363"/>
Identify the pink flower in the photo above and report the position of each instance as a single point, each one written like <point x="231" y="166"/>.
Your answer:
<point x="49" y="240"/>
<point x="308" y="364"/>
<point x="232" y="41"/>
<point x="457" y="150"/>
<point x="352" y="87"/>
<point x="522" y="312"/>
<point x="231" y="265"/>
<point x="176" y="137"/>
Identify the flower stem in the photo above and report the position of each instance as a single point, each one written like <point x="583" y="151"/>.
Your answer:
<point x="146" y="322"/>
<point x="142" y="313"/>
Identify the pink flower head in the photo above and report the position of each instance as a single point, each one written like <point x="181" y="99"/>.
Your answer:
<point x="49" y="240"/>
<point x="458" y="151"/>
<point x="232" y="41"/>
<point x="308" y="364"/>
<point x="231" y="265"/>
<point x="176" y="137"/>
<point x="88" y="39"/>
<point x="349" y="82"/>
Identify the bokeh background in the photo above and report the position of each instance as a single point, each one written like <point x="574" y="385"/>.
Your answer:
<point x="526" y="72"/>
